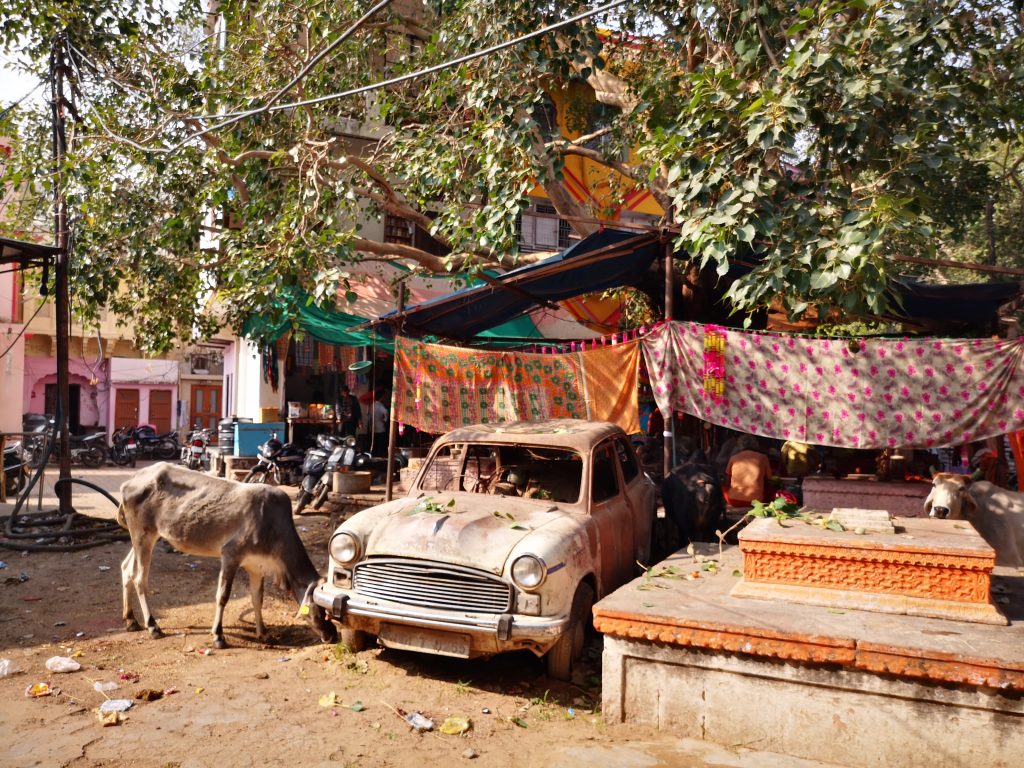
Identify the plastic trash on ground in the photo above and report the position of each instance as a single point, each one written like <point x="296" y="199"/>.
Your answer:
<point x="419" y="722"/>
<point x="116" y="705"/>
<point x="62" y="664"/>
<point x="110" y="718"/>
<point x="38" y="689"/>
<point x="453" y="726"/>
<point x="7" y="667"/>
<point x="104" y="687"/>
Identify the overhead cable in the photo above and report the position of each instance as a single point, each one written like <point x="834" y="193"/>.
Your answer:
<point x="13" y="106"/>
<point x="269" y="106"/>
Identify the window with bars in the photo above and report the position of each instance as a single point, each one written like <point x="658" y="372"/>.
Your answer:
<point x="540" y="229"/>
<point x="397" y="230"/>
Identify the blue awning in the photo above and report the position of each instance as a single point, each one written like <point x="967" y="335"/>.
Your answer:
<point x="607" y="259"/>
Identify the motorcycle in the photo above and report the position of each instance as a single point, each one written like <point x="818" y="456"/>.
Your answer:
<point x="330" y="453"/>
<point x="123" y="447"/>
<point x="89" y="450"/>
<point x="15" y="467"/>
<point x="153" y="446"/>
<point x="193" y="452"/>
<point x="278" y="463"/>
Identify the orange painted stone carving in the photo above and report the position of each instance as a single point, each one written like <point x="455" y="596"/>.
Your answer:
<point x="937" y="568"/>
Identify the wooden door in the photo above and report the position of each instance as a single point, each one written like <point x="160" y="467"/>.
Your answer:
<point x="205" y="407"/>
<point x="126" y="408"/>
<point x="160" y="410"/>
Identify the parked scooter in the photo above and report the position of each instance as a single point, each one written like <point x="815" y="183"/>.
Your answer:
<point x="330" y="453"/>
<point x="279" y="463"/>
<point x="193" y="452"/>
<point x="15" y="467"/>
<point x="124" y="448"/>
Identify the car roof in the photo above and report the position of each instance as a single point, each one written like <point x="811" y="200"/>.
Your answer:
<point x="567" y="433"/>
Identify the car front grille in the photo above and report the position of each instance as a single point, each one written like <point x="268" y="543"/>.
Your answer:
<point x="432" y="585"/>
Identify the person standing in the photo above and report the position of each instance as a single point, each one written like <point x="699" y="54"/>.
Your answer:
<point x="350" y="415"/>
<point x="379" y="425"/>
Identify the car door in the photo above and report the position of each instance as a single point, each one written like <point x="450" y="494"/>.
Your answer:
<point x="611" y="515"/>
<point x="638" y="494"/>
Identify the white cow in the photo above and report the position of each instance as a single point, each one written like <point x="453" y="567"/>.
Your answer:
<point x="996" y="513"/>
<point x="247" y="526"/>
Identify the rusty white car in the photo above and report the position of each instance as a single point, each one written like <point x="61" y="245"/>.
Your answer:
<point x="505" y="539"/>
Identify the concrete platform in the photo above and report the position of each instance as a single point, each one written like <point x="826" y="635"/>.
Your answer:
<point x="844" y="686"/>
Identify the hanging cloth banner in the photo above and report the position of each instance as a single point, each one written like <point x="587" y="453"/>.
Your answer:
<point x="438" y="388"/>
<point x="853" y="393"/>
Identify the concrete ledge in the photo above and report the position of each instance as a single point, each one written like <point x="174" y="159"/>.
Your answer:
<point x="845" y="686"/>
<point x="839" y="715"/>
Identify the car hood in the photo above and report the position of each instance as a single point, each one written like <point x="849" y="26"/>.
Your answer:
<point x="460" y="528"/>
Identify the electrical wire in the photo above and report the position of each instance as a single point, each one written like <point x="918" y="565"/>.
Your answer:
<point x="235" y="117"/>
<point x="22" y="331"/>
<point x="35" y="88"/>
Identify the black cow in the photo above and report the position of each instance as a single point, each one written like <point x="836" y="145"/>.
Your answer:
<point x="693" y="500"/>
<point x="247" y="526"/>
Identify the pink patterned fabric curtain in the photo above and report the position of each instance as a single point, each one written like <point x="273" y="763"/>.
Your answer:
<point x="860" y="393"/>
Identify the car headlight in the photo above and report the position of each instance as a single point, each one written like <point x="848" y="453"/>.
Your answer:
<point x="345" y="548"/>
<point x="529" y="572"/>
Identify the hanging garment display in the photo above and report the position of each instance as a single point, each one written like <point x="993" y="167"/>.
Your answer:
<point x="438" y="388"/>
<point x="854" y="393"/>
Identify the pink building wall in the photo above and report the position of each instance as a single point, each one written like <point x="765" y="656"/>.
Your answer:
<point x="92" y="381"/>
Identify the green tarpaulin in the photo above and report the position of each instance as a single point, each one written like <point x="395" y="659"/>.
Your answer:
<point x="336" y="327"/>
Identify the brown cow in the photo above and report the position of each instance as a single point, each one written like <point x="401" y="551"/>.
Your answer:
<point x="996" y="513"/>
<point x="247" y="526"/>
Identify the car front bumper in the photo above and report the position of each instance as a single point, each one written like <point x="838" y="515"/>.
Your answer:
<point x="478" y="634"/>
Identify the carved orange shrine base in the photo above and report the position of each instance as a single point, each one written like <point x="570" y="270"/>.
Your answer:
<point x="935" y="568"/>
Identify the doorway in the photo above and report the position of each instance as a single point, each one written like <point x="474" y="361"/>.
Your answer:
<point x="205" y="406"/>
<point x="126" y="408"/>
<point x="74" y="405"/>
<point x="160" y="410"/>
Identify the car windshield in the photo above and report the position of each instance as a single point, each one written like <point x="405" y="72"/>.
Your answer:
<point x="532" y="472"/>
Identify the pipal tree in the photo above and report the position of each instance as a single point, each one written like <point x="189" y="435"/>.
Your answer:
<point x="814" y="140"/>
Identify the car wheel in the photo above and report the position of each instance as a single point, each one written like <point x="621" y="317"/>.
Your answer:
<point x="302" y="501"/>
<point x="166" y="450"/>
<point x="561" y="659"/>
<point x="355" y="640"/>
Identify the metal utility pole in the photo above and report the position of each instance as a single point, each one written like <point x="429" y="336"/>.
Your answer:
<point x="393" y="427"/>
<point x="668" y="429"/>
<point x="63" y="320"/>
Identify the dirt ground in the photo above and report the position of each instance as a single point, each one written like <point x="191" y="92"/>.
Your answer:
<point x="290" y="700"/>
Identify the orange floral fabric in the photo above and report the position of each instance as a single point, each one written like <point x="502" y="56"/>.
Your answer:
<point x="438" y="388"/>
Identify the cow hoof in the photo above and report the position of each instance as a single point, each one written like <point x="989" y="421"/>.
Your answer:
<point x="155" y="632"/>
<point x="131" y="625"/>
<point x="219" y="644"/>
